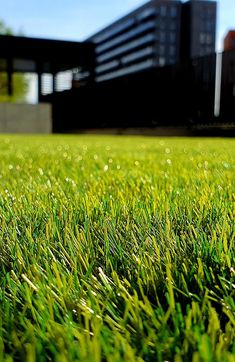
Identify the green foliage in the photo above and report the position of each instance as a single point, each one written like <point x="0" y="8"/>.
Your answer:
<point x="117" y="249"/>
<point x="20" y="82"/>
<point x="4" y="29"/>
<point x="20" y="88"/>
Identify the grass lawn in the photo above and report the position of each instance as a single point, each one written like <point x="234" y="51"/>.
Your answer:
<point x="117" y="249"/>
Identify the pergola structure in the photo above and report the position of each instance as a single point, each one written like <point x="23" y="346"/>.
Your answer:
<point x="34" y="55"/>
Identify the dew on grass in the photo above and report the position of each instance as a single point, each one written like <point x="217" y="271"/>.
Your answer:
<point x="80" y="241"/>
<point x="19" y="155"/>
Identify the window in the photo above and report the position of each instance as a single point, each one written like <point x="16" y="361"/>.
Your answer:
<point x="47" y="84"/>
<point x="209" y="39"/>
<point x="129" y="46"/>
<point x="162" y="61"/>
<point x="137" y="55"/>
<point x="162" y="50"/>
<point x="63" y="80"/>
<point x="173" y="11"/>
<point x="209" y="50"/>
<point x="162" y="24"/>
<point x="202" y="38"/>
<point x="162" y="37"/>
<point x="202" y="52"/>
<point x="210" y="11"/>
<point x="113" y="31"/>
<point x="210" y="26"/>
<point x="121" y="38"/>
<point x="163" y="10"/>
<point x="131" y="69"/>
<point x="146" y="13"/>
<point x="172" y="50"/>
<point x="172" y="25"/>
<point x="107" y="66"/>
<point x="172" y="37"/>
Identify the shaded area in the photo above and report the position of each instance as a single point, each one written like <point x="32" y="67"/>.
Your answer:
<point x="177" y="95"/>
<point x="32" y="55"/>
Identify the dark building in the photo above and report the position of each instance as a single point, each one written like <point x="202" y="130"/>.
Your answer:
<point x="147" y="37"/>
<point x="227" y="100"/>
<point x="159" y="33"/>
<point x="198" y="32"/>
<point x="229" y="41"/>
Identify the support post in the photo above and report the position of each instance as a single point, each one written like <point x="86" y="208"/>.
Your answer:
<point x="54" y="82"/>
<point x="39" y="73"/>
<point x="9" y="77"/>
<point x="39" y="87"/>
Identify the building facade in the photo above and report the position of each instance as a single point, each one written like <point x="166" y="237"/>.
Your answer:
<point x="229" y="41"/>
<point x="154" y="35"/>
<point x="198" y="28"/>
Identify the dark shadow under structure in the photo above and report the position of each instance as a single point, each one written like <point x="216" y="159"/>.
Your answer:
<point x="181" y="95"/>
<point x="34" y="55"/>
<point x="171" y="96"/>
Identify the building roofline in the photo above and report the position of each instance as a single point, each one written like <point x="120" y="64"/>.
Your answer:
<point x="126" y="16"/>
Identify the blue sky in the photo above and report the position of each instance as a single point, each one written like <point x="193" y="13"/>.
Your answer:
<point x="77" y="19"/>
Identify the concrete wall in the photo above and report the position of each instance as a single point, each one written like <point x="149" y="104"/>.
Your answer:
<point x="25" y="118"/>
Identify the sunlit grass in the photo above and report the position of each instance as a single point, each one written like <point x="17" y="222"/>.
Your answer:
<point x="117" y="249"/>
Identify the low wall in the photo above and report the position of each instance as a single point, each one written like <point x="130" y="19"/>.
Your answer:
<point x="25" y="118"/>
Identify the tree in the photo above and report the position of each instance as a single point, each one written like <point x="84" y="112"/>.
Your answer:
<point x="20" y="83"/>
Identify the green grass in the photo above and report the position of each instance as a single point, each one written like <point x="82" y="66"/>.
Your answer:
<point x="117" y="249"/>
